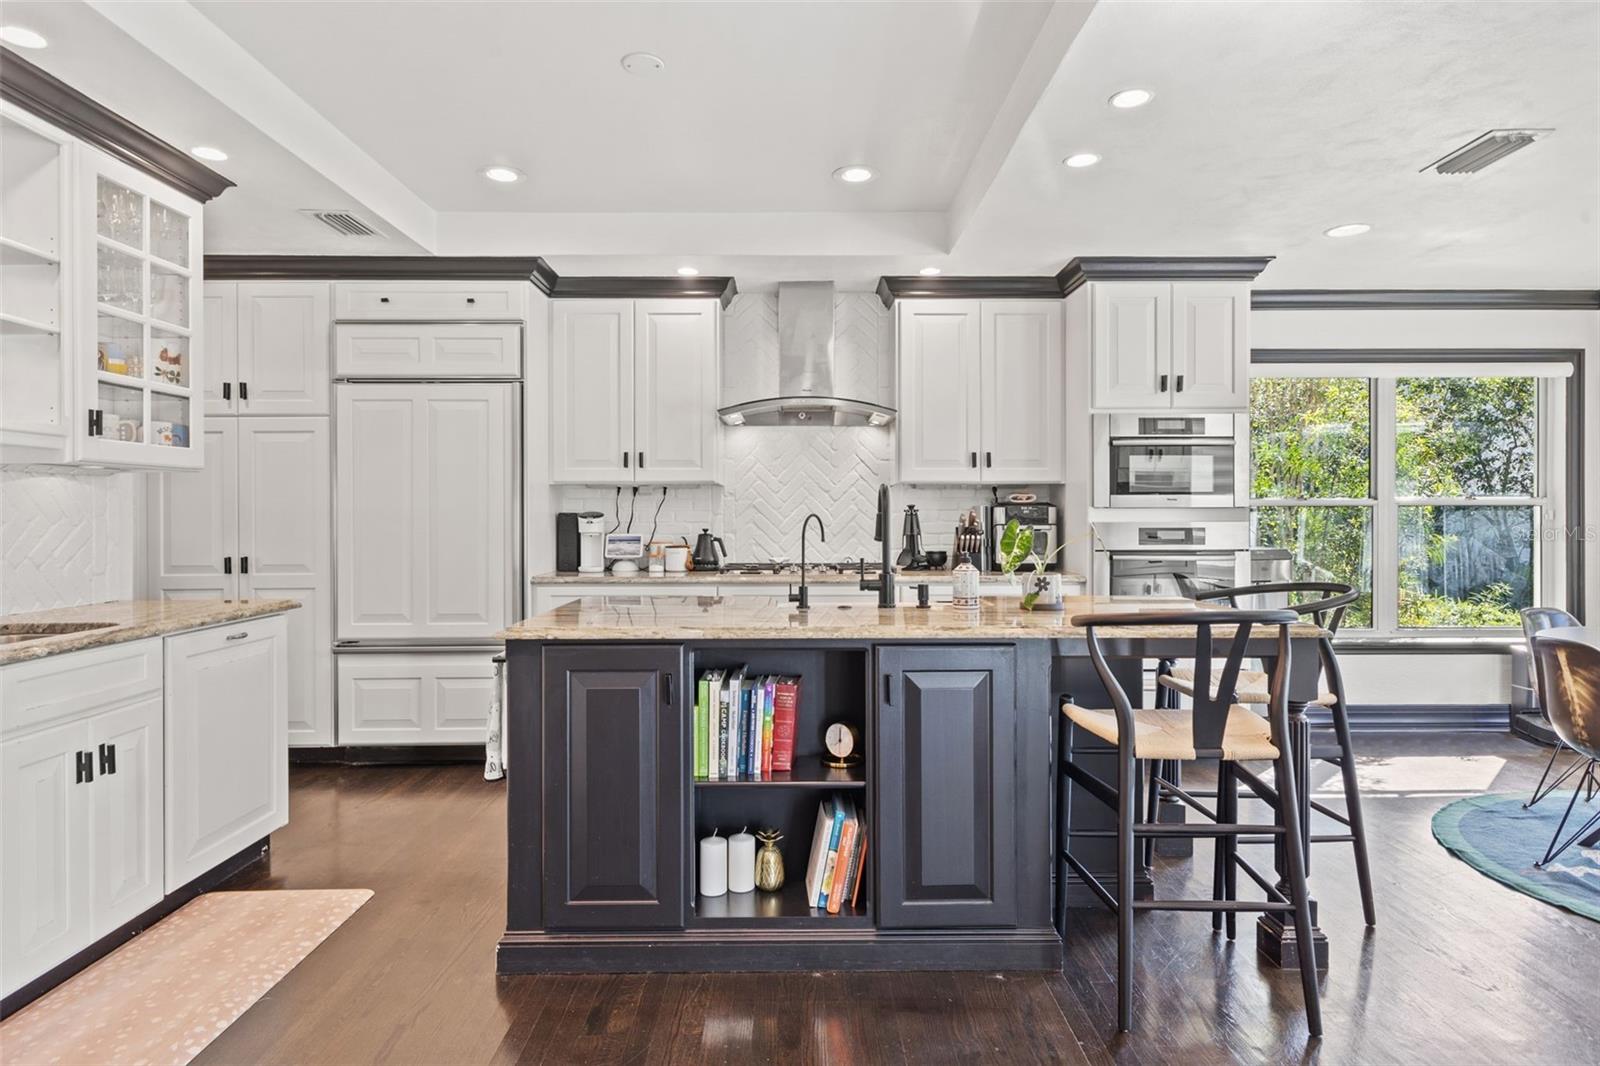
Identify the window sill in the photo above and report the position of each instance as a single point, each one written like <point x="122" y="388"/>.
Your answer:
<point x="1438" y="644"/>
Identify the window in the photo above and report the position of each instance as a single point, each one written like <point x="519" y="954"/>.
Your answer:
<point x="1424" y="487"/>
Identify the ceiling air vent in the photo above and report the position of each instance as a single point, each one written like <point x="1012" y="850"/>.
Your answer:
<point x="344" y="222"/>
<point x="1480" y="152"/>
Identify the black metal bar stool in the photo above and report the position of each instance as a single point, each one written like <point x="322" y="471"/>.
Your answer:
<point x="1326" y="609"/>
<point x="1214" y="728"/>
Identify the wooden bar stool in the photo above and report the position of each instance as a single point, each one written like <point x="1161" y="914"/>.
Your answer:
<point x="1214" y="728"/>
<point x="1326" y="608"/>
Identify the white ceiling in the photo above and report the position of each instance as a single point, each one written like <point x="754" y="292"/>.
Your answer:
<point x="1272" y="122"/>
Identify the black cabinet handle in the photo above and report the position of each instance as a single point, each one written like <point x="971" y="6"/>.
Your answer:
<point x="96" y="423"/>
<point x="625" y="460"/>
<point x="1163" y="383"/>
<point x="108" y="758"/>
<point x="888" y="689"/>
<point x="1179" y="384"/>
<point x="241" y="635"/>
<point x="227" y="390"/>
<point x="988" y="459"/>
<point x="244" y="390"/>
<point x="85" y="767"/>
<point x="641" y="460"/>
<point x="383" y="299"/>
<point x="972" y="459"/>
<point x="244" y="564"/>
<point x="666" y="689"/>
<point x="472" y="299"/>
<point x="227" y="564"/>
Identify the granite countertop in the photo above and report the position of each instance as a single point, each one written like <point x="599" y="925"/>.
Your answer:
<point x="770" y="618"/>
<point x="721" y="577"/>
<point x="123" y="620"/>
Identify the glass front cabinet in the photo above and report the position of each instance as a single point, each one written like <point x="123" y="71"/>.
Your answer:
<point x="130" y="368"/>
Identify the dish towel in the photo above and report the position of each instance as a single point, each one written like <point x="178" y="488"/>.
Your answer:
<point x="494" y="764"/>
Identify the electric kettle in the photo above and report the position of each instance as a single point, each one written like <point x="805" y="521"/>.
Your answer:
<point x="709" y="551"/>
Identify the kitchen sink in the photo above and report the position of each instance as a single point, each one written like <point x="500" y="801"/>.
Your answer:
<point x="22" y="632"/>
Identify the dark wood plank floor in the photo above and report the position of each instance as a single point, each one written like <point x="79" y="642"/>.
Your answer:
<point x="1460" y="969"/>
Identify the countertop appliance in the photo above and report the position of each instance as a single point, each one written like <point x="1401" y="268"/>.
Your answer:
<point x="624" y="550"/>
<point x="709" y="551"/>
<point x="1044" y="519"/>
<point x="1167" y="461"/>
<point x="1144" y="559"/>
<point x="591" y="540"/>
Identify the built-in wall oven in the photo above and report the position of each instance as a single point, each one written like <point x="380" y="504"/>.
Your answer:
<point x="1147" y="559"/>
<point x="1168" y="461"/>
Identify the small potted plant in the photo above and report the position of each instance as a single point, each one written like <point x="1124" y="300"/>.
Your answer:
<point x="1041" y="590"/>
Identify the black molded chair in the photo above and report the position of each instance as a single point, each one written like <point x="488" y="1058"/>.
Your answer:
<point x="1569" y="678"/>
<point x="1537" y="620"/>
<point x="1217" y="728"/>
<point x="1326" y="608"/>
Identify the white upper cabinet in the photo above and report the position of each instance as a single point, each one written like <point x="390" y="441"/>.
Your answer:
<point x="940" y="402"/>
<point x="425" y="471"/>
<point x="140" y="368"/>
<point x="1156" y="345"/>
<point x="634" y="387"/>
<point x="676" y="388"/>
<point x="430" y="301"/>
<point x="1021" y="386"/>
<point x="427" y="350"/>
<point x="980" y="391"/>
<point x="220" y="314"/>
<point x="591" y="391"/>
<point x="283" y="348"/>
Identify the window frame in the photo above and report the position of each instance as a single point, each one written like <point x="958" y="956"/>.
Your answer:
<point x="1558" y="474"/>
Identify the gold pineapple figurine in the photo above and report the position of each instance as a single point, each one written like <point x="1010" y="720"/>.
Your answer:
<point x="769" y="861"/>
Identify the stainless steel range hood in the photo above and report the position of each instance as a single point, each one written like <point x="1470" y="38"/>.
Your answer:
<point x="806" y="395"/>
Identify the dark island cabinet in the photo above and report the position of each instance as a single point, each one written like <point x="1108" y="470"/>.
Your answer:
<point x="614" y="800"/>
<point x="945" y="761"/>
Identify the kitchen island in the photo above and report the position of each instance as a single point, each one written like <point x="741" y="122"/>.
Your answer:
<point x="957" y="712"/>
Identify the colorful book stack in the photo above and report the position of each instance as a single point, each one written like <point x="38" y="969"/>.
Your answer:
<point x="743" y="725"/>
<point x="838" y="856"/>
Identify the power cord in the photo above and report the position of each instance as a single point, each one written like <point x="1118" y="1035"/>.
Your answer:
<point x="616" y="511"/>
<point x="656" y="520"/>
<point x="633" y="504"/>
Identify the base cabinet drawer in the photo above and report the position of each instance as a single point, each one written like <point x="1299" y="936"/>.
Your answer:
<point x="429" y="350"/>
<point x="227" y="742"/>
<point x="429" y="300"/>
<point x="414" y="698"/>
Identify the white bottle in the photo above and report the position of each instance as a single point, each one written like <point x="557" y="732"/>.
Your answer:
<point x="964" y="595"/>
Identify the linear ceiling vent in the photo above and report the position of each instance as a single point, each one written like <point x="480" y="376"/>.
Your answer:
<point x="350" y="225"/>
<point x="1480" y="152"/>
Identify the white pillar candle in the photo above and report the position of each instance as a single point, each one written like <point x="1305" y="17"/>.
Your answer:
<point x="713" y="866"/>
<point x="741" y="862"/>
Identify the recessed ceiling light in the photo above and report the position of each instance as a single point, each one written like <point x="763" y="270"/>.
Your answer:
<point x="22" y="37"/>
<point x="688" y="272"/>
<point x="205" y="151"/>
<point x="1131" y="98"/>
<point x="929" y="272"/>
<point x="642" y="63"/>
<point x="502" y="174"/>
<point x="1349" y="229"/>
<point x="854" y="174"/>
<point x="1081" y="159"/>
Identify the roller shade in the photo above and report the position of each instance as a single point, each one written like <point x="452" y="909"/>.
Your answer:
<point x="1393" y="369"/>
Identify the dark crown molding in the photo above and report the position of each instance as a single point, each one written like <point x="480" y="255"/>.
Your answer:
<point x="722" y="289"/>
<point x="1159" y="268"/>
<point x="59" y="104"/>
<point x="381" y="267"/>
<point x="899" y="287"/>
<point x="1425" y="299"/>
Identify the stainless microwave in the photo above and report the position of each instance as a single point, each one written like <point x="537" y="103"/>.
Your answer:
<point x="1168" y="461"/>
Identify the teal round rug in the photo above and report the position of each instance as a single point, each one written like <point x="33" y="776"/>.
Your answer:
<point x="1496" y="837"/>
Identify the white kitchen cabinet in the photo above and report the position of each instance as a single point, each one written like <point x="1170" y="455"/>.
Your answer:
<point x="80" y="799"/>
<point x="283" y="348"/>
<point x="140" y="366"/>
<point x="431" y="301"/>
<point x="415" y="698"/>
<point x="256" y="522"/>
<point x="980" y="391"/>
<point x="428" y="350"/>
<point x="425" y="518"/>
<point x="37" y="411"/>
<point x="634" y="391"/>
<point x="1021" y="388"/>
<point x="226" y="742"/>
<point x="1158" y="345"/>
<point x="220" y="334"/>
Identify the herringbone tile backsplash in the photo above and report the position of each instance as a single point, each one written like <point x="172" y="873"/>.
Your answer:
<point x="66" y="538"/>
<point x="777" y="475"/>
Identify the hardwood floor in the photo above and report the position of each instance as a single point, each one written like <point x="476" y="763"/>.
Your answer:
<point x="1459" y="970"/>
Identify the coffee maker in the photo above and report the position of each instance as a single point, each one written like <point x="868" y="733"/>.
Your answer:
<point x="1044" y="519"/>
<point x="591" y="542"/>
